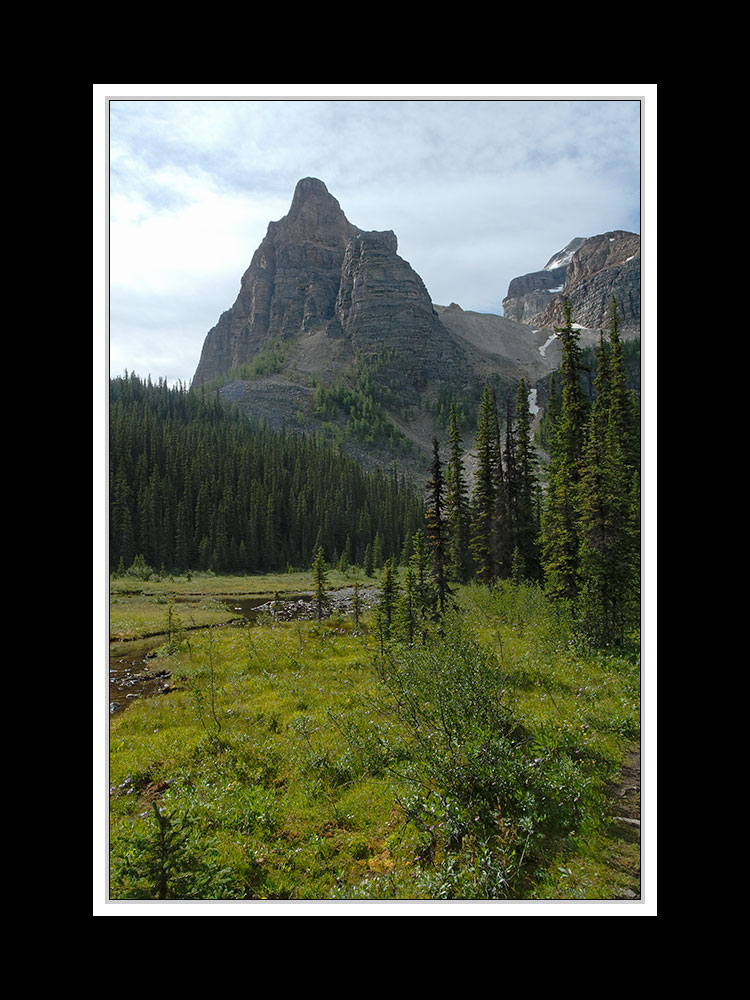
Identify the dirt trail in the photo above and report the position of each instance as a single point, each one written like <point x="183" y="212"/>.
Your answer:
<point x="624" y="856"/>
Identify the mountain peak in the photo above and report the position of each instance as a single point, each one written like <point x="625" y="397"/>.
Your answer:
<point x="314" y="209"/>
<point x="310" y="187"/>
<point x="309" y="190"/>
<point x="330" y="292"/>
<point x="563" y="257"/>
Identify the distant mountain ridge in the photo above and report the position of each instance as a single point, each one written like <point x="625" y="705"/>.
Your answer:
<point x="327" y="305"/>
<point x="587" y="272"/>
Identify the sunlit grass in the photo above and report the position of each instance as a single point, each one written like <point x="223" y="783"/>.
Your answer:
<point x="269" y="747"/>
<point x="139" y="607"/>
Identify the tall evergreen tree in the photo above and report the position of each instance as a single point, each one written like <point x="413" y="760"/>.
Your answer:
<point x="609" y="562"/>
<point x="458" y="555"/>
<point x="561" y="542"/>
<point x="436" y="527"/>
<point x="526" y="514"/>
<point x="623" y="408"/>
<point x="389" y="594"/>
<point x="368" y="563"/>
<point x="425" y="599"/>
<point x="408" y="607"/>
<point x="483" y="514"/>
<point x="122" y="536"/>
<point x="506" y="497"/>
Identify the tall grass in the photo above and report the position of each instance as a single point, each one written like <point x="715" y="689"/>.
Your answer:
<point x="312" y="761"/>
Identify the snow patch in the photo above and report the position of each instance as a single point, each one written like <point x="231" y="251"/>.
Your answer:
<point x="545" y="345"/>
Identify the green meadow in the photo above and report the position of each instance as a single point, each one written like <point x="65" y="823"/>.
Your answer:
<point x="331" y="759"/>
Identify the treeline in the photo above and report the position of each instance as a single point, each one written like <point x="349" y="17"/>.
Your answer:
<point x="196" y="485"/>
<point x="578" y="535"/>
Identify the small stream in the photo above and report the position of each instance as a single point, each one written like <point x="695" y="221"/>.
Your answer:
<point x="136" y="672"/>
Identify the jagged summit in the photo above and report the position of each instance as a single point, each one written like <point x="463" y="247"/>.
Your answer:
<point x="331" y="324"/>
<point x="314" y="210"/>
<point x="328" y="293"/>
<point x="310" y="189"/>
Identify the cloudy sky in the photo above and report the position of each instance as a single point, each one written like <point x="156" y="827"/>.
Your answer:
<point x="480" y="185"/>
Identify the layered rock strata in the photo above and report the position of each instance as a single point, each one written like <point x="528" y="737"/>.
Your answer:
<point x="588" y="272"/>
<point x="604" y="266"/>
<point x="316" y="280"/>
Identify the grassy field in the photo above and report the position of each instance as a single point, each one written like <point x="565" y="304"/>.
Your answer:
<point x="306" y="760"/>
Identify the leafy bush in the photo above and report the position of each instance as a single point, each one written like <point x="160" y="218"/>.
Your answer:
<point x="479" y="788"/>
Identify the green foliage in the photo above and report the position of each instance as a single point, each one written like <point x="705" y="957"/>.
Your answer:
<point x="466" y="765"/>
<point x="422" y="585"/>
<point x="270" y="359"/>
<point x="196" y="485"/>
<point x="366" y="418"/>
<point x="488" y="792"/>
<point x="450" y="406"/>
<point x="363" y="397"/>
<point x="485" y="491"/>
<point x="389" y="594"/>
<point x="591" y="537"/>
<point x="175" y="630"/>
<point x="458" y="555"/>
<point x="168" y="858"/>
<point x="320" y="584"/>
<point x="436" y="532"/>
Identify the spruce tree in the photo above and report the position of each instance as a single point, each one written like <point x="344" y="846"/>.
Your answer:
<point x="424" y="587"/>
<point x="526" y="515"/>
<point x="378" y="555"/>
<point x="436" y="527"/>
<point x="561" y="542"/>
<point x="483" y="513"/>
<point x="368" y="562"/>
<point x="609" y="556"/>
<point x="549" y="421"/>
<point x="320" y="584"/>
<point x="458" y="555"/>
<point x="389" y="593"/>
<point x="506" y="497"/>
<point x="623" y="405"/>
<point x="408" y="606"/>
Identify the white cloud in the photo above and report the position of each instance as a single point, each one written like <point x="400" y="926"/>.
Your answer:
<point x="476" y="191"/>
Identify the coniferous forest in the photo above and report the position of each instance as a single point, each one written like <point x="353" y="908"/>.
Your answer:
<point x="196" y="486"/>
<point x="578" y="536"/>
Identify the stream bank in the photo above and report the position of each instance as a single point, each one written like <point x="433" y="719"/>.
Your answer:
<point x="134" y="666"/>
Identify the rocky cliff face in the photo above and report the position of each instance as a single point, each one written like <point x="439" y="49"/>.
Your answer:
<point x="588" y="272"/>
<point x="330" y="293"/>
<point x="603" y="266"/>
<point x="290" y="287"/>
<point x="326" y="305"/>
<point x="530" y="295"/>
